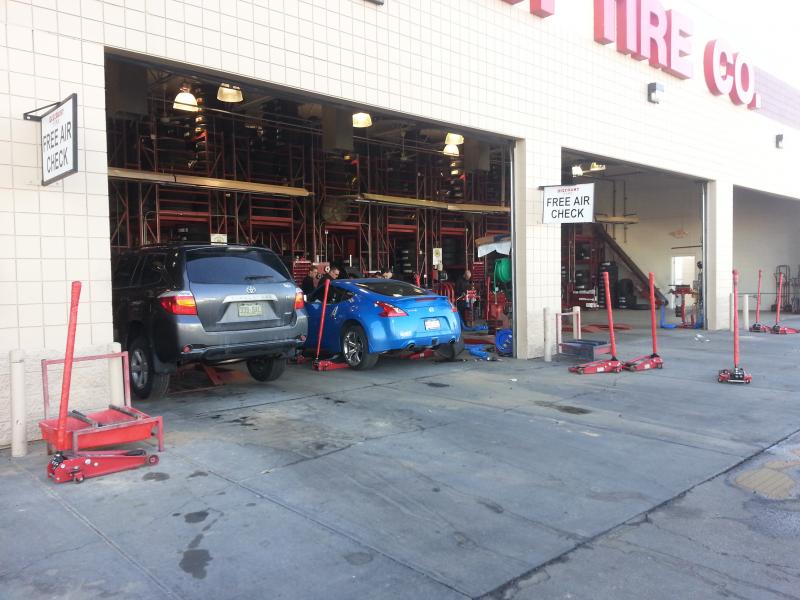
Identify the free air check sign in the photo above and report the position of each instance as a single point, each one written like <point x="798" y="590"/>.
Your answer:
<point x="569" y="204"/>
<point x="60" y="141"/>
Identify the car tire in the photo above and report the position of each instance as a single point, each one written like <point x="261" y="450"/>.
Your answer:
<point x="450" y="351"/>
<point x="355" y="348"/>
<point x="146" y="384"/>
<point x="266" y="369"/>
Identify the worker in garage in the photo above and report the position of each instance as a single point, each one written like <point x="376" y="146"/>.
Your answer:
<point x="310" y="281"/>
<point x="387" y="274"/>
<point x="332" y="274"/>
<point x="463" y="285"/>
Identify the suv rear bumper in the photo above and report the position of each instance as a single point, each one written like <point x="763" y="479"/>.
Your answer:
<point x="214" y="354"/>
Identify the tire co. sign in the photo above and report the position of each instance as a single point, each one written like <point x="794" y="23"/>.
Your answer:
<point x="645" y="30"/>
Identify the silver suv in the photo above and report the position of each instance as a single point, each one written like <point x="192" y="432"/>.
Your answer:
<point x="189" y="303"/>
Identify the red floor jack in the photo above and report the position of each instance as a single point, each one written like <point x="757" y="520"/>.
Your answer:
<point x="778" y="328"/>
<point x="651" y="361"/>
<point x="325" y="365"/>
<point x="757" y="327"/>
<point x="74" y="431"/>
<point x="737" y="374"/>
<point x="612" y="365"/>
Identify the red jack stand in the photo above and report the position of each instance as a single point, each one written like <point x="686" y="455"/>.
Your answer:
<point x="419" y="355"/>
<point x="612" y="365"/>
<point x="652" y="361"/>
<point x="737" y="374"/>
<point x="778" y="328"/>
<point x="325" y="365"/>
<point x="757" y="327"/>
<point x="74" y="431"/>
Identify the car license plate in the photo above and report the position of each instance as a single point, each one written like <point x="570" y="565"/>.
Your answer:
<point x="431" y="324"/>
<point x="250" y="309"/>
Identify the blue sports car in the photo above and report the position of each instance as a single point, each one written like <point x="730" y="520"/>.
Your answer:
<point x="368" y="317"/>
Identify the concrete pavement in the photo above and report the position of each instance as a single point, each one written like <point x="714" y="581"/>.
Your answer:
<point x="418" y="480"/>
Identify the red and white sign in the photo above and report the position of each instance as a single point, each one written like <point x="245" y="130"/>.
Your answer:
<point x="645" y="30"/>
<point x="568" y="204"/>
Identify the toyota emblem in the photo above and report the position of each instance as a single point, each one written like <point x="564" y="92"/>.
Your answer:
<point x="251" y="289"/>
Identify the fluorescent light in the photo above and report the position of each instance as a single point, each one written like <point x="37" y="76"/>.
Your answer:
<point x="185" y="100"/>
<point x="597" y="167"/>
<point x="454" y="139"/>
<point x="577" y="171"/>
<point x="454" y="172"/>
<point x="229" y="93"/>
<point x="362" y="120"/>
<point x="451" y="150"/>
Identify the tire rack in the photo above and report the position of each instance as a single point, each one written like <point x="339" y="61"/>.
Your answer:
<point x="146" y="212"/>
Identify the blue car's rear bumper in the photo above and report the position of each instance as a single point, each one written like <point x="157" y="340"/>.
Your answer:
<point x="399" y="333"/>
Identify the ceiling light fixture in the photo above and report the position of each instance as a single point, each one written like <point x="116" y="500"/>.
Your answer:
<point x="596" y="167"/>
<point x="577" y="170"/>
<point x="362" y="120"/>
<point x="654" y="92"/>
<point x="779" y="141"/>
<point x="229" y="93"/>
<point x="454" y="139"/>
<point x="185" y="100"/>
<point x="451" y="150"/>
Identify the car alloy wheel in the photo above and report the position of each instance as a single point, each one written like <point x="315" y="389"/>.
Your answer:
<point x="140" y="369"/>
<point x="353" y="348"/>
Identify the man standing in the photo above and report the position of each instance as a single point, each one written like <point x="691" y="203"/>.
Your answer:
<point x="463" y="284"/>
<point x="332" y="274"/>
<point x="310" y="281"/>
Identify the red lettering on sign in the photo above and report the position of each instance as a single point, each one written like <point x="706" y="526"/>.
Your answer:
<point x="653" y="33"/>
<point x="540" y="8"/>
<point x="628" y="28"/>
<point x="679" y="41"/>
<point x="718" y="67"/>
<point x="605" y="21"/>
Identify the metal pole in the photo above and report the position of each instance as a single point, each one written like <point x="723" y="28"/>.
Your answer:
<point x="704" y="215"/>
<point x="653" y="313"/>
<point x="758" y="299"/>
<point x="576" y="322"/>
<point x="779" y="300"/>
<point x="735" y="319"/>
<point x="61" y="438"/>
<point x="115" y="377"/>
<point x="19" y="417"/>
<point x="322" y="316"/>
<point x="610" y="311"/>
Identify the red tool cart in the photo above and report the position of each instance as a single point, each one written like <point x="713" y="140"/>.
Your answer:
<point x="72" y="433"/>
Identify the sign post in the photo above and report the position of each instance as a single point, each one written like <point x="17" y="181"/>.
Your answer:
<point x="59" y="137"/>
<point x="568" y="204"/>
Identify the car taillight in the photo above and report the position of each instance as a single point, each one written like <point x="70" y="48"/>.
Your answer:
<point x="299" y="299"/>
<point x="178" y="303"/>
<point x="389" y="310"/>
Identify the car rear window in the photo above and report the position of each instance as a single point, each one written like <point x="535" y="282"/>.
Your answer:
<point x="234" y="265"/>
<point x="393" y="289"/>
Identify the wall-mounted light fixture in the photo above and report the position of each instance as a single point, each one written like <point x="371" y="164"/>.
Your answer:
<point x="229" y="93"/>
<point x="362" y="120"/>
<point x="654" y="92"/>
<point x="779" y="141"/>
<point x="185" y="100"/>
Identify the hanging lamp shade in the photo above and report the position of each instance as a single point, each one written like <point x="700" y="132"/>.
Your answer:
<point x="229" y="93"/>
<point x="185" y="100"/>
<point x="450" y="150"/>
<point x="454" y="139"/>
<point x="362" y="120"/>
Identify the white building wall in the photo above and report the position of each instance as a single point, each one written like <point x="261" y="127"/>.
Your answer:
<point x="475" y="63"/>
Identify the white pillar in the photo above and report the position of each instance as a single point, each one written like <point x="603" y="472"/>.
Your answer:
<point x="19" y="410"/>
<point x="537" y="247"/>
<point x="746" y="312"/>
<point x="115" y="381"/>
<point x="548" y="337"/>
<point x="719" y="253"/>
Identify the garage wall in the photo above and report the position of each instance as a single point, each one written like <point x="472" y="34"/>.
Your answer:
<point x="664" y="206"/>
<point x="765" y="234"/>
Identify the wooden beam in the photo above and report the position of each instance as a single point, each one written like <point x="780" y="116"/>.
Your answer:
<point x="207" y="182"/>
